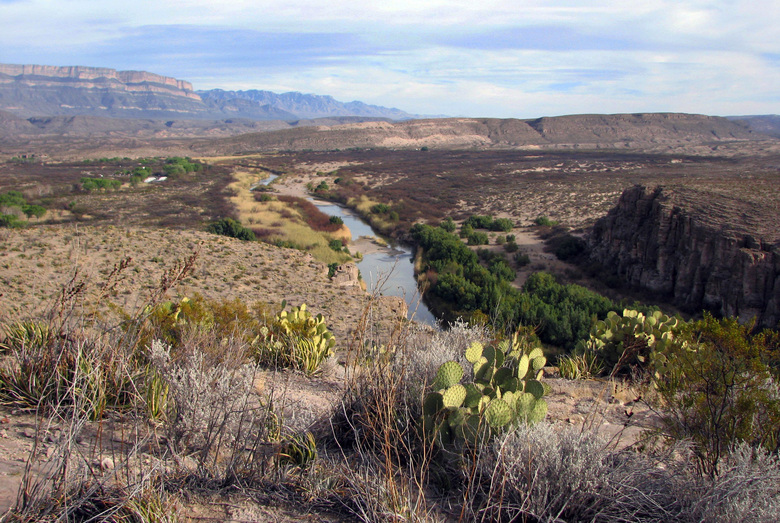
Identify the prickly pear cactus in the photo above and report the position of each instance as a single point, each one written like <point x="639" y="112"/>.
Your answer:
<point x="505" y="389"/>
<point x="295" y="339"/>
<point x="622" y="341"/>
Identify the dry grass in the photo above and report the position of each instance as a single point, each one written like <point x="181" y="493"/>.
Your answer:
<point x="282" y="221"/>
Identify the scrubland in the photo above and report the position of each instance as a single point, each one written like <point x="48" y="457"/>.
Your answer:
<point x="149" y="372"/>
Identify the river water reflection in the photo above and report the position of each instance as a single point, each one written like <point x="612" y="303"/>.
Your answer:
<point x="391" y="268"/>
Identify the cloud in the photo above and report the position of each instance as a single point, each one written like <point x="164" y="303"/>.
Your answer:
<point x="492" y="58"/>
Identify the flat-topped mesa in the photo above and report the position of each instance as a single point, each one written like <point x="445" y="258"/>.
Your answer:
<point x="96" y="77"/>
<point x="701" y="248"/>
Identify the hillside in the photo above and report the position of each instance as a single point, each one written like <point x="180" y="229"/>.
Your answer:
<point x="650" y="132"/>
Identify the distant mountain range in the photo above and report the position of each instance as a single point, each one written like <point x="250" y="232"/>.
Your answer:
<point x="42" y="91"/>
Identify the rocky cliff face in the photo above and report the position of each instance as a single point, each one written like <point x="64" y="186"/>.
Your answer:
<point x="701" y="249"/>
<point x="94" y="77"/>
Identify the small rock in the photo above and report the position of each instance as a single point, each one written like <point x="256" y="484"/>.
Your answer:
<point x="4" y="434"/>
<point x="107" y="463"/>
<point x="29" y="433"/>
<point x="50" y="451"/>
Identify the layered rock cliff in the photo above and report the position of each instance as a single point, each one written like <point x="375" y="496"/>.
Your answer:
<point x="85" y="76"/>
<point x="41" y="90"/>
<point x="701" y="248"/>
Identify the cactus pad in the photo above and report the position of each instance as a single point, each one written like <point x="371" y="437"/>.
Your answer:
<point x="498" y="414"/>
<point x="474" y="352"/>
<point x="534" y="387"/>
<point x="448" y="375"/>
<point x="522" y="367"/>
<point x="454" y="396"/>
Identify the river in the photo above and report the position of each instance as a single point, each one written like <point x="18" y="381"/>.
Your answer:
<point x="391" y="268"/>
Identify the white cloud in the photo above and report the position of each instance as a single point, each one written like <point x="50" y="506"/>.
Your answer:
<point x="598" y="56"/>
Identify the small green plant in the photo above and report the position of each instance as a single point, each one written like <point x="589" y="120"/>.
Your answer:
<point x="579" y="366"/>
<point x="620" y="342"/>
<point x="295" y="339"/>
<point x="506" y="389"/>
<point x="25" y="334"/>
<point x="300" y="451"/>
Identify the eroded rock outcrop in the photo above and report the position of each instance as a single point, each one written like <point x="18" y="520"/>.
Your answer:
<point x="701" y="249"/>
<point x="94" y="77"/>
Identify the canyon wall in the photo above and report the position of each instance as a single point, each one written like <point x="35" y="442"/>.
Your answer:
<point x="698" y="249"/>
<point x="95" y="77"/>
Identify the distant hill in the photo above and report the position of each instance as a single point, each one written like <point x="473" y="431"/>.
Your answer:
<point x="298" y="104"/>
<point x="767" y="124"/>
<point x="45" y="91"/>
<point x="649" y="132"/>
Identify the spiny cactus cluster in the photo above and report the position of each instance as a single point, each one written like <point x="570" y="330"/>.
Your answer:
<point x="295" y="339"/>
<point x="505" y="389"/>
<point x="619" y="341"/>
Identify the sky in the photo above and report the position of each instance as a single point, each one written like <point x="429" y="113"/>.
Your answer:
<point x="477" y="58"/>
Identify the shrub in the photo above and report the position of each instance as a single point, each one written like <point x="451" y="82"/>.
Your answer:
<point x="336" y="220"/>
<point x="522" y="259"/>
<point x="570" y="247"/>
<point x="479" y="222"/>
<point x="336" y="245"/>
<point x="10" y="221"/>
<point x="448" y="225"/>
<point x="544" y="221"/>
<point x="232" y="228"/>
<point x="380" y="208"/>
<point x="511" y="246"/>
<point x="716" y="391"/>
<point x="549" y="472"/>
<point x="93" y="184"/>
<point x="478" y="238"/>
<point x="33" y="210"/>
<point x="501" y="224"/>
<point x="12" y="199"/>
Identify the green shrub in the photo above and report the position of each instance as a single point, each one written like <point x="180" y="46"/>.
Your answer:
<point x="336" y="245"/>
<point x="33" y="210"/>
<point x="716" y="391"/>
<point x="521" y="259"/>
<point x="94" y="184"/>
<point x="544" y="221"/>
<point x="380" y="208"/>
<point x="10" y="221"/>
<point x="478" y="238"/>
<point x="448" y="225"/>
<point x="230" y="227"/>
<point x="501" y="224"/>
<point x="336" y="220"/>
<point x="12" y="199"/>
<point x="570" y="247"/>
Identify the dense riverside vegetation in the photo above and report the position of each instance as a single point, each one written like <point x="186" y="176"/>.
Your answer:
<point x="563" y="314"/>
